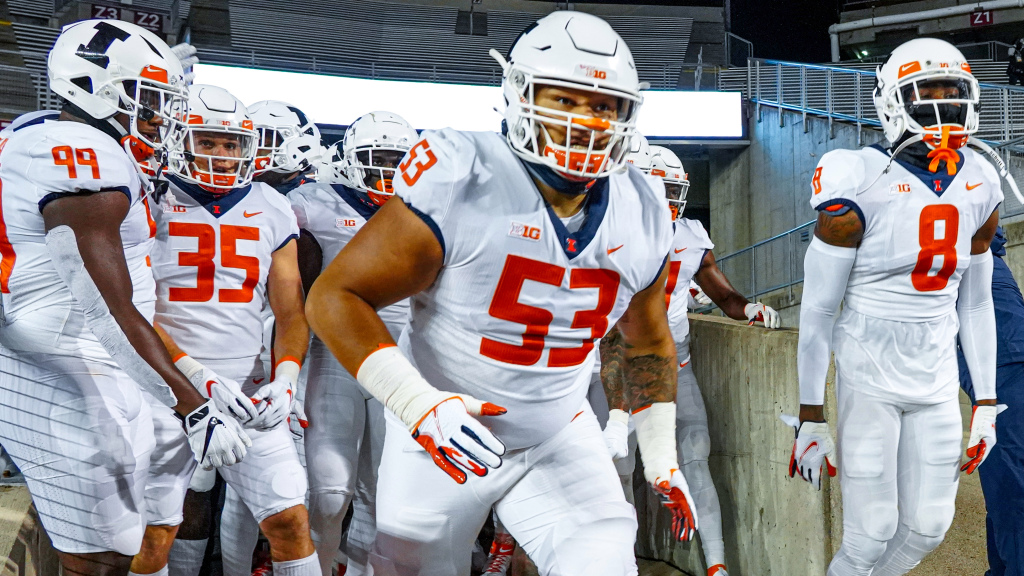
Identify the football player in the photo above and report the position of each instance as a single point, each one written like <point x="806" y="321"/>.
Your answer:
<point x="289" y="145"/>
<point x="224" y="247"/>
<point x="902" y="237"/>
<point x="84" y="375"/>
<point x="346" y="435"/>
<point x="691" y="259"/>
<point x="518" y="253"/>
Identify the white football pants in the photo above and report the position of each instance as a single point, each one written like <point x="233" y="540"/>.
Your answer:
<point x="560" y="500"/>
<point x="899" y="471"/>
<point x="344" y="442"/>
<point x="82" y="434"/>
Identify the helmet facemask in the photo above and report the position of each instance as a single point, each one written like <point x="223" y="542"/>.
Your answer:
<point x="675" y="192"/>
<point x="218" y="158"/>
<point x="934" y="107"/>
<point x="576" y="146"/>
<point x="142" y="99"/>
<point x="371" y="169"/>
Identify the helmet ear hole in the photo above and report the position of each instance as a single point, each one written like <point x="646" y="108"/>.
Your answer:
<point x="83" y="82"/>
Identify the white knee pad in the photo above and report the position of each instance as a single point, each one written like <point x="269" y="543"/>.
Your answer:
<point x="596" y="542"/>
<point x="905" y="551"/>
<point x="122" y="534"/>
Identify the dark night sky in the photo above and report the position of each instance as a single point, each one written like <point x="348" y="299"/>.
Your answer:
<point x="786" y="29"/>
<point x="780" y="29"/>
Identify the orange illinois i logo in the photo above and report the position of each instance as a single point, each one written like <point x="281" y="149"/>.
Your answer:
<point x="816" y="181"/>
<point x="418" y="160"/>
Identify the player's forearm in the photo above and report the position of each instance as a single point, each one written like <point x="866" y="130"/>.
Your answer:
<point x="151" y="348"/>
<point x="345" y="323"/>
<point x="978" y="326"/>
<point x="291" y="336"/>
<point x="172" y="347"/>
<point x="826" y="273"/>
<point x="650" y="373"/>
<point x="733" y="305"/>
<point x="612" y="366"/>
<point x="717" y="287"/>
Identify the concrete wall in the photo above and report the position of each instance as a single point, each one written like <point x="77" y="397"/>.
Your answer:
<point x="773" y="525"/>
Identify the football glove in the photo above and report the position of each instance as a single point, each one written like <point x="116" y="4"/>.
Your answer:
<point x="226" y="394"/>
<point x="616" y="434"/>
<point x="656" y="439"/>
<point x="297" y="421"/>
<point x="983" y="436"/>
<point x="812" y="448"/>
<point x="456" y="441"/>
<point x="216" y="440"/>
<point x="274" y="400"/>
<point x="757" y="312"/>
<point x="698" y="299"/>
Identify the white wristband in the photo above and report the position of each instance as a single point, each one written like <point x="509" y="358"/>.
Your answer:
<point x="190" y="367"/>
<point x="656" y="438"/>
<point x="616" y="415"/>
<point x="391" y="378"/>
<point x="289" y="369"/>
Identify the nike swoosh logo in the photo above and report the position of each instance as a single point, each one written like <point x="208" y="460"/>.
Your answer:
<point x="973" y="186"/>
<point x="257" y="380"/>
<point x="610" y="250"/>
<point x="248" y="215"/>
<point x="808" y="449"/>
<point x="681" y="250"/>
<point x="211" y="426"/>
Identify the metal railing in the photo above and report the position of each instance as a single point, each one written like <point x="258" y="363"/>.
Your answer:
<point x="747" y="269"/>
<point x="737" y="49"/>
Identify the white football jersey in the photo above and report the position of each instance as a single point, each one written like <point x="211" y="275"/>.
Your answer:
<point x="41" y="160"/>
<point x="690" y="243"/>
<point x="918" y="227"/>
<point x="896" y="336"/>
<point x="514" y="315"/>
<point x="333" y="213"/>
<point x="211" y="261"/>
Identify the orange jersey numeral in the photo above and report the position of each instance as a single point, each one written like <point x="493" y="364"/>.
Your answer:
<point x="69" y="157"/>
<point x="673" y="279"/>
<point x="505" y="305"/>
<point x="932" y="247"/>
<point x="203" y="261"/>
<point x="414" y="166"/>
<point x="7" y="256"/>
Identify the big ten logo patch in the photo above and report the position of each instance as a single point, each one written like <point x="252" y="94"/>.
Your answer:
<point x="525" y="231"/>
<point x="899" y="188"/>
<point x="344" y="223"/>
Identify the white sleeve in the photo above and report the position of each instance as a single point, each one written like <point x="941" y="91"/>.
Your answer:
<point x="978" y="324"/>
<point x="826" y="273"/>
<point x="71" y="163"/>
<point x="837" y="179"/>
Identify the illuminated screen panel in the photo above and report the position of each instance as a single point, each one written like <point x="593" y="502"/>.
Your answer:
<point x="427" y="105"/>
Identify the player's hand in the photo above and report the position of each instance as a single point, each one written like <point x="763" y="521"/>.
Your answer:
<point x="757" y="312"/>
<point x="226" y="394"/>
<point x="456" y="441"/>
<point x="812" y="448"/>
<point x="675" y="495"/>
<point x="616" y="434"/>
<point x="216" y="440"/>
<point x="983" y="436"/>
<point x="297" y="421"/>
<point x="698" y="299"/>
<point x="273" y="402"/>
<point x="186" y="54"/>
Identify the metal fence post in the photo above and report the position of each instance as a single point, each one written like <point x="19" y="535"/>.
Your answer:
<point x="757" y="74"/>
<point x="778" y="92"/>
<point x="858" y="109"/>
<point x="828" y="102"/>
<point x="803" y="95"/>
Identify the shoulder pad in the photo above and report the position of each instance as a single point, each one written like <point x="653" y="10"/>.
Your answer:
<point x="838" y="178"/>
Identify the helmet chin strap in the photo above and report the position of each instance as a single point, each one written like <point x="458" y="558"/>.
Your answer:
<point x="555" y="180"/>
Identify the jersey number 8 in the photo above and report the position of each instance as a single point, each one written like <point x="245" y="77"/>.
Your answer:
<point x="932" y="247"/>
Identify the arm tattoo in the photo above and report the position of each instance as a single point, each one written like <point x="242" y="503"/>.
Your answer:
<point x="650" y="378"/>
<point x="845" y="230"/>
<point x="612" y="359"/>
<point x="631" y="383"/>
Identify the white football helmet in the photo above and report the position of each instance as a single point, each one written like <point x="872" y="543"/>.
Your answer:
<point x="220" y="146"/>
<point x="927" y="63"/>
<point x="332" y="166"/>
<point x="288" y="140"/>
<point x="106" y="67"/>
<point x="575" y="50"/>
<point x="665" y="164"/>
<point x="639" y="153"/>
<point x="373" y="146"/>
